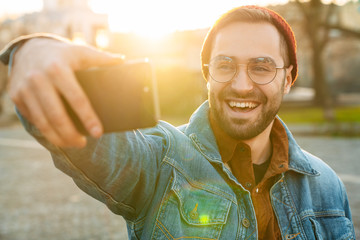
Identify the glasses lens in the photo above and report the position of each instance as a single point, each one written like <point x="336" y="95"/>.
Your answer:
<point x="262" y="70"/>
<point x="222" y="69"/>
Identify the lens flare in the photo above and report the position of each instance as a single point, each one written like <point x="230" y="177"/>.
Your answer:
<point x="204" y="219"/>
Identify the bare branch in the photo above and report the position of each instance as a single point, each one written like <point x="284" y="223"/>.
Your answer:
<point x="328" y="15"/>
<point x="330" y="12"/>
<point x="301" y="6"/>
<point x="344" y="30"/>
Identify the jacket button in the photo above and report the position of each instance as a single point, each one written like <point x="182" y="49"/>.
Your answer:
<point x="248" y="185"/>
<point x="245" y="222"/>
<point x="194" y="215"/>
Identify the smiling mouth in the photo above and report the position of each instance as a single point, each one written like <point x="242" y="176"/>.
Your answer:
<point x="242" y="106"/>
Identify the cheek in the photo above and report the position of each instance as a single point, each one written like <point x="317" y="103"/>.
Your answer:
<point x="273" y="92"/>
<point x="215" y="88"/>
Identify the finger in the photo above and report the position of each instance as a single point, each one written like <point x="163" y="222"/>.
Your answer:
<point x="91" y="57"/>
<point x="39" y="120"/>
<point x="22" y="109"/>
<point x="15" y="96"/>
<point x="67" y="85"/>
<point x="55" y="113"/>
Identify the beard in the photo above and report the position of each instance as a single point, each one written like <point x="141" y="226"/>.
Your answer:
<point x="244" y="129"/>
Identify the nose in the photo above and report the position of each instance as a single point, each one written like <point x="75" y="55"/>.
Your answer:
<point x="241" y="81"/>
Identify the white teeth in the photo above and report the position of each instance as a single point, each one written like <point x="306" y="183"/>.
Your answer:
<point x="242" y="104"/>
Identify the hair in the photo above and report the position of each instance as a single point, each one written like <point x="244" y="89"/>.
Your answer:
<point x="252" y="14"/>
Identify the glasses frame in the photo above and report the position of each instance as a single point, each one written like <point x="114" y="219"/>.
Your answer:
<point x="236" y="72"/>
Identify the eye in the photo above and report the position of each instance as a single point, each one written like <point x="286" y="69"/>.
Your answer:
<point x="224" y="66"/>
<point x="261" y="68"/>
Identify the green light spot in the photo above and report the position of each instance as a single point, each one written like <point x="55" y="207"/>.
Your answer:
<point x="204" y="219"/>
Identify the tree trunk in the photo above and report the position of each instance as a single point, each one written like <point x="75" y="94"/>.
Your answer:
<point x="323" y="95"/>
<point x="318" y="37"/>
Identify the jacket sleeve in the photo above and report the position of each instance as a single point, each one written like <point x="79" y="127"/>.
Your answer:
<point x="346" y="203"/>
<point x="17" y="42"/>
<point x="119" y="170"/>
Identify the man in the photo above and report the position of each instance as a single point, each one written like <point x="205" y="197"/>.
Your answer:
<point x="233" y="172"/>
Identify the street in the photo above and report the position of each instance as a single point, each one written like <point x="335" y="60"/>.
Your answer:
<point x="39" y="202"/>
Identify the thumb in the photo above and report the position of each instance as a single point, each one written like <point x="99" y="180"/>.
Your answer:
<point x="91" y="57"/>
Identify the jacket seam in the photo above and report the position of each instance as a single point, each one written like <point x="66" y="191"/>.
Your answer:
<point x="139" y="223"/>
<point x="89" y="180"/>
<point x="161" y="205"/>
<point x="293" y="207"/>
<point x="303" y="172"/>
<point x="198" y="184"/>
<point x="169" y="145"/>
<point x="324" y="214"/>
<point x="201" y="151"/>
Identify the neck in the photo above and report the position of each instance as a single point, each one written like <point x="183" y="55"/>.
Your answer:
<point x="261" y="148"/>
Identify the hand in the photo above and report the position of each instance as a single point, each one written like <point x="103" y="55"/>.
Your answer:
<point x="42" y="72"/>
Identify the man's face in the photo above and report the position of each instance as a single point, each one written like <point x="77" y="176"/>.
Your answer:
<point x="257" y="105"/>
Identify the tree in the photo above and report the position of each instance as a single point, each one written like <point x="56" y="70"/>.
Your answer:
<point x="319" y="20"/>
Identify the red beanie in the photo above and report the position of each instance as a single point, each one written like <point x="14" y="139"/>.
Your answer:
<point x="279" y="22"/>
<point x="284" y="29"/>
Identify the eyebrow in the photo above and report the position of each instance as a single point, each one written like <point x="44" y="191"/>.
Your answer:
<point x="262" y="59"/>
<point x="250" y="59"/>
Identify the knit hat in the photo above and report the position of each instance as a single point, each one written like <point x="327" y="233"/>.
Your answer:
<point x="279" y="22"/>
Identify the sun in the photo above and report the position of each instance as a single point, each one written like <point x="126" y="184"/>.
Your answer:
<point x="143" y="18"/>
<point x="156" y="18"/>
<point x="140" y="24"/>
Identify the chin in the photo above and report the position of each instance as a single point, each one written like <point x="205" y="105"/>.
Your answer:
<point x="244" y="132"/>
<point x="243" y="129"/>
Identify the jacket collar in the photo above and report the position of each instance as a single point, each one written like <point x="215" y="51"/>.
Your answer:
<point x="298" y="160"/>
<point x="199" y="130"/>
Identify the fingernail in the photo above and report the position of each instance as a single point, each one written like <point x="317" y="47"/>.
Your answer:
<point x="96" y="131"/>
<point x="118" y="56"/>
<point x="82" y="142"/>
<point x="79" y="142"/>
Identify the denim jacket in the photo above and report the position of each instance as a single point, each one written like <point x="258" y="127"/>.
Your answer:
<point x="170" y="183"/>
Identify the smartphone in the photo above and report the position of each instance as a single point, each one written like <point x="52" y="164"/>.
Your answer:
<point x="124" y="96"/>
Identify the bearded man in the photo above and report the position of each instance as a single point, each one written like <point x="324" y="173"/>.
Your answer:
<point x="233" y="172"/>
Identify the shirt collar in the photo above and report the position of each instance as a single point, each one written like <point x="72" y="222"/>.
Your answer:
<point x="226" y="144"/>
<point x="278" y="137"/>
<point x="200" y="131"/>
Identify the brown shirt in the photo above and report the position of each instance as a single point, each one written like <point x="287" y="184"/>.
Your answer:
<point x="237" y="155"/>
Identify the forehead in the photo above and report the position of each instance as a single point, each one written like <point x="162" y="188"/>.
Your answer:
<point x="247" y="40"/>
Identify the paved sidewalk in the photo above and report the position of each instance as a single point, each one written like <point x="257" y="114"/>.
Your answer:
<point x="38" y="202"/>
<point x="350" y="129"/>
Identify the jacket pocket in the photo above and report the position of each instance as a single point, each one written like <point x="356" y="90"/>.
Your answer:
<point x="190" y="211"/>
<point x="330" y="227"/>
<point x="316" y="228"/>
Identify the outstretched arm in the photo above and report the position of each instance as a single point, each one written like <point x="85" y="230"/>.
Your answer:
<point x="42" y="73"/>
<point x="118" y="169"/>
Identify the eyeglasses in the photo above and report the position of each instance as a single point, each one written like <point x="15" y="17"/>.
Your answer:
<point x="261" y="70"/>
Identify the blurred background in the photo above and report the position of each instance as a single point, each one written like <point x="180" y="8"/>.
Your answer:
<point x="322" y="109"/>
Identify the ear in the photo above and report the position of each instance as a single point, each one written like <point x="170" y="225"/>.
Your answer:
<point x="208" y="85"/>
<point x="288" y="79"/>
